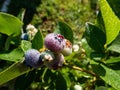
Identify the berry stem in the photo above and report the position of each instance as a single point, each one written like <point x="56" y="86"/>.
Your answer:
<point x="80" y="69"/>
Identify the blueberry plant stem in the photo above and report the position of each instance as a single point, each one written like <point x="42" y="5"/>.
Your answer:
<point x="80" y="69"/>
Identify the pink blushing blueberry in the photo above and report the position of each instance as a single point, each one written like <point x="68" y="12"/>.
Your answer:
<point x="56" y="63"/>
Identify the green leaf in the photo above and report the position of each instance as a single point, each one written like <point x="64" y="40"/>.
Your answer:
<point x="65" y="30"/>
<point x="101" y="88"/>
<point x="96" y="56"/>
<point x="7" y="43"/>
<point x="60" y="82"/>
<point x="37" y="42"/>
<point x="2" y="41"/>
<point x="47" y="76"/>
<point x="13" y="71"/>
<point x="115" y="5"/>
<point x="14" y="55"/>
<point x="108" y="75"/>
<point x="115" y="46"/>
<point x="111" y="21"/>
<point x="65" y="74"/>
<point x="21" y="14"/>
<point x="95" y="37"/>
<point x="9" y="24"/>
<point x="24" y="81"/>
<point x="113" y="60"/>
<point x="26" y="45"/>
<point x="100" y="22"/>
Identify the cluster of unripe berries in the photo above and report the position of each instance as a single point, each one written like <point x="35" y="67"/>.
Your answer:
<point x="57" y="47"/>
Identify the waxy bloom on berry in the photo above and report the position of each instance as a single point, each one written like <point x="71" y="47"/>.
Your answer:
<point x="54" y="42"/>
<point x="33" y="59"/>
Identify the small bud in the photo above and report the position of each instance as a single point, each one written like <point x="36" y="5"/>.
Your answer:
<point x="75" y="48"/>
<point x="31" y="30"/>
<point x="33" y="59"/>
<point x="54" y="42"/>
<point x="56" y="63"/>
<point x="67" y="49"/>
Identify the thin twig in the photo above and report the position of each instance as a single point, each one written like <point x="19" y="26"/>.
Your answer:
<point x="80" y="69"/>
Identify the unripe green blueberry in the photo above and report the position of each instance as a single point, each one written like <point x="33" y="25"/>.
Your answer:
<point x="54" y="42"/>
<point x="47" y="56"/>
<point x="56" y="63"/>
<point x="67" y="49"/>
<point x="33" y="59"/>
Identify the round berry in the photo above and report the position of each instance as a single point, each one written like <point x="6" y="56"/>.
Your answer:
<point x="54" y="42"/>
<point x="33" y="59"/>
<point x="67" y="49"/>
<point x="47" y="56"/>
<point x="24" y="36"/>
<point x="56" y="63"/>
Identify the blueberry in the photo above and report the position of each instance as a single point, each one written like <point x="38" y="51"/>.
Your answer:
<point x="56" y="63"/>
<point x="47" y="55"/>
<point x="54" y="42"/>
<point x="33" y="59"/>
<point x="24" y="36"/>
<point x="67" y="49"/>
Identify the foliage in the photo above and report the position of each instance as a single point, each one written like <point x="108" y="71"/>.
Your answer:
<point x="96" y="64"/>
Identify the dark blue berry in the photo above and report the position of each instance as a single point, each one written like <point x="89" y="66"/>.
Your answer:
<point x="24" y="36"/>
<point x="33" y="59"/>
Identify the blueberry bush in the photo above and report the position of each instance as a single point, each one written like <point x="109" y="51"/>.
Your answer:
<point x="68" y="46"/>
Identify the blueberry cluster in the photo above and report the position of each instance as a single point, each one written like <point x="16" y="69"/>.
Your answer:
<point x="57" y="47"/>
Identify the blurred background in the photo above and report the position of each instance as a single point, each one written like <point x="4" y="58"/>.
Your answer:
<point x="44" y="14"/>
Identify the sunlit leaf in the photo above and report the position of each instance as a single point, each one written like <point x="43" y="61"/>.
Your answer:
<point x="9" y="24"/>
<point x="111" y="21"/>
<point x="108" y="75"/>
<point x="26" y="45"/>
<point x="113" y="60"/>
<point x="13" y="71"/>
<point x="14" y="55"/>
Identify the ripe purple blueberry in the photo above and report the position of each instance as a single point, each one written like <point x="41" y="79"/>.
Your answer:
<point x="54" y="42"/>
<point x="33" y="59"/>
<point x="56" y="63"/>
